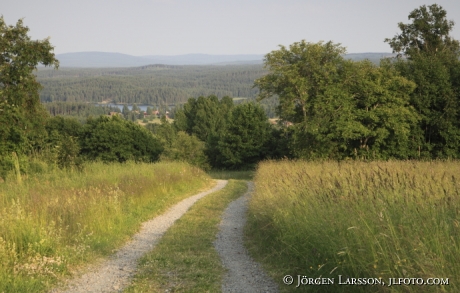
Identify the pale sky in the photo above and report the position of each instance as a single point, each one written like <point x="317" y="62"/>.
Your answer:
<point x="175" y="27"/>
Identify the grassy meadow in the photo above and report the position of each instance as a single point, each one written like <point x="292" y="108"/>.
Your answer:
<point x="53" y="222"/>
<point x="358" y="220"/>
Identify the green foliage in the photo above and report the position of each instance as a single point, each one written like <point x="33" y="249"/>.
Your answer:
<point x="64" y="126"/>
<point x="165" y="132"/>
<point x="204" y="116"/>
<point x="149" y="111"/>
<point x="277" y="145"/>
<point x="432" y="62"/>
<point x="299" y="74"/>
<point x="63" y="142"/>
<point x="179" y="145"/>
<point x="187" y="148"/>
<point x="22" y="117"/>
<point x="78" y="110"/>
<point x="235" y="137"/>
<point x="339" y="108"/>
<point x="118" y="140"/>
<point x="376" y="123"/>
<point x="427" y="34"/>
<point x="125" y="110"/>
<point x="242" y="144"/>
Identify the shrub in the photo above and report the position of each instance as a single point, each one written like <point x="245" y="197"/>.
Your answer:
<point x="112" y="139"/>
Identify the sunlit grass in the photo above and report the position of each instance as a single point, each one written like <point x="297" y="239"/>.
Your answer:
<point x="56" y="220"/>
<point x="356" y="219"/>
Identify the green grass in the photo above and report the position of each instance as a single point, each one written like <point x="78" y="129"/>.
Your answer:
<point x="56" y="221"/>
<point x="185" y="259"/>
<point x="356" y="219"/>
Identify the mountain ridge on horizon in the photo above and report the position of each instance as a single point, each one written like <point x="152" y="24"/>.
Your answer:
<point x="97" y="59"/>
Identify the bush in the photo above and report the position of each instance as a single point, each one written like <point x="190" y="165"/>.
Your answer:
<point x="112" y="139"/>
<point x="63" y="145"/>
<point x="188" y="148"/>
<point x="243" y="142"/>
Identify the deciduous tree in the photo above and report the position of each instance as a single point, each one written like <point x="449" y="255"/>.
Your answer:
<point x="22" y="117"/>
<point x="243" y="142"/>
<point x="339" y="108"/>
<point x="430" y="58"/>
<point x="113" y="139"/>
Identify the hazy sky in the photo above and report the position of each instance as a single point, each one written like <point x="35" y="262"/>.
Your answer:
<point x="173" y="27"/>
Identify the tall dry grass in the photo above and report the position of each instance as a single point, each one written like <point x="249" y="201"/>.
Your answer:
<point x="357" y="219"/>
<point x="59" y="219"/>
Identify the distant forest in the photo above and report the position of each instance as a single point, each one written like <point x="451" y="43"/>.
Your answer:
<point x="156" y="85"/>
<point x="148" y="85"/>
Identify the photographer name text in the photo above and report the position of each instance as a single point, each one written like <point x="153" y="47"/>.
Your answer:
<point x="301" y="280"/>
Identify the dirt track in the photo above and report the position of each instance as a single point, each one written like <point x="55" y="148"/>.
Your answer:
<point x="114" y="274"/>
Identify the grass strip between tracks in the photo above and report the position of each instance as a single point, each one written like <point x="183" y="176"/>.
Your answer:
<point x="185" y="259"/>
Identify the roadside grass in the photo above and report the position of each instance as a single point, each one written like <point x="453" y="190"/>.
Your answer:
<point x="185" y="259"/>
<point x="358" y="220"/>
<point x="59" y="220"/>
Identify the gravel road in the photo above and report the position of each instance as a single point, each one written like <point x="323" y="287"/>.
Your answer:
<point x="114" y="274"/>
<point x="243" y="273"/>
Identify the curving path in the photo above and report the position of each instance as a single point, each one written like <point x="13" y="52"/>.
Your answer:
<point x="243" y="273"/>
<point x="114" y="274"/>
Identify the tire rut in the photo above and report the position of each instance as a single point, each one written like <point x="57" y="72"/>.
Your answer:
<point x="244" y="275"/>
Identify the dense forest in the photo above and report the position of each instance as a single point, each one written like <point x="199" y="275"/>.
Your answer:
<point x="155" y="85"/>
<point x="148" y="85"/>
<point x="79" y="110"/>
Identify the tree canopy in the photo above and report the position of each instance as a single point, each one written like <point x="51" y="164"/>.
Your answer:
<point x="234" y="136"/>
<point x="430" y="58"/>
<point x="428" y="33"/>
<point x="22" y="116"/>
<point x="113" y="139"/>
<point x="242" y="143"/>
<point x="339" y="108"/>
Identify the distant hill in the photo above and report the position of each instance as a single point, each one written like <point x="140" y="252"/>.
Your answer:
<point x="205" y="59"/>
<point x="106" y="59"/>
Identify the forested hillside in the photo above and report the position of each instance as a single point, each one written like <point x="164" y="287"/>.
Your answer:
<point x="150" y="85"/>
<point x="156" y="84"/>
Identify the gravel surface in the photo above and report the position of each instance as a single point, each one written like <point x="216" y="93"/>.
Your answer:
<point x="114" y="274"/>
<point x="243" y="273"/>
